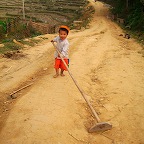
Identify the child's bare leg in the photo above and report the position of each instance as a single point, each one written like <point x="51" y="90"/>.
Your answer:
<point x="57" y="73"/>
<point x="62" y="72"/>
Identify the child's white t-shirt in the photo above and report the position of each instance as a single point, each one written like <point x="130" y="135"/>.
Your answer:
<point x="62" y="46"/>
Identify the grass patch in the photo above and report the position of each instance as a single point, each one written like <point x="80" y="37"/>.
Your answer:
<point x="9" y="46"/>
<point x="31" y="42"/>
<point x="138" y="36"/>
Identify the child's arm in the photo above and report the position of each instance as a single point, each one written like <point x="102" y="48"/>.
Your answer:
<point x="55" y="39"/>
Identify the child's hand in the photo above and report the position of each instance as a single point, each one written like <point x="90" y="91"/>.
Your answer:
<point x="60" y="55"/>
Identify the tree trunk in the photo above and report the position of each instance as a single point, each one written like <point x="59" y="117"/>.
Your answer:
<point x="127" y="4"/>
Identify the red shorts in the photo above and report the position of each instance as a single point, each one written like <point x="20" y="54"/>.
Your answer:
<point x="59" y="64"/>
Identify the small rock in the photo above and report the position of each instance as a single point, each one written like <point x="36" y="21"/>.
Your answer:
<point x="127" y="36"/>
<point x="13" y="96"/>
<point x="121" y="35"/>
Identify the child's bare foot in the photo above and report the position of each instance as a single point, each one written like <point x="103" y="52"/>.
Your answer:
<point x="56" y="75"/>
<point x="62" y="75"/>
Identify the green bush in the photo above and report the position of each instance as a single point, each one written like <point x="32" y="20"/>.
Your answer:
<point x="136" y="20"/>
<point x="9" y="46"/>
<point x="132" y="11"/>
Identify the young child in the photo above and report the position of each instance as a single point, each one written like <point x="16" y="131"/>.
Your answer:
<point x="62" y="46"/>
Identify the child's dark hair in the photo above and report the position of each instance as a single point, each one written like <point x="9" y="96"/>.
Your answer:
<point x="64" y="29"/>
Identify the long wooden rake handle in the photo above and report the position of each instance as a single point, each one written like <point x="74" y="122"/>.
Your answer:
<point x="82" y="93"/>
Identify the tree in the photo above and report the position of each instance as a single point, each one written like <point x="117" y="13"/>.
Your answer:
<point x="127" y="3"/>
<point x="142" y="1"/>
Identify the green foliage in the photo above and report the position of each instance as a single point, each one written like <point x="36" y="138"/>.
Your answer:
<point x="9" y="46"/>
<point x="4" y="26"/>
<point x="136" y="20"/>
<point x="132" y="11"/>
<point x="119" y="7"/>
<point x="142" y="1"/>
<point x="33" y="32"/>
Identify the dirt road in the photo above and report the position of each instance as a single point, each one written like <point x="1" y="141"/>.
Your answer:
<point x="109" y="69"/>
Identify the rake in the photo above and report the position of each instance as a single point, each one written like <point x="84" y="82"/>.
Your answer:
<point x="99" y="126"/>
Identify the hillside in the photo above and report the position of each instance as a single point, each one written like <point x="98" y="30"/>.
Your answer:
<point x="46" y="11"/>
<point x="20" y="20"/>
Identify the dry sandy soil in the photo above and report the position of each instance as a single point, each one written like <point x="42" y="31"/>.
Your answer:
<point x="109" y="69"/>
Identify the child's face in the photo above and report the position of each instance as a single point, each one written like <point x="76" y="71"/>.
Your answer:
<point x="62" y="34"/>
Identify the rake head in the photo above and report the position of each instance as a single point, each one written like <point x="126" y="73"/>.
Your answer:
<point x="100" y="127"/>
